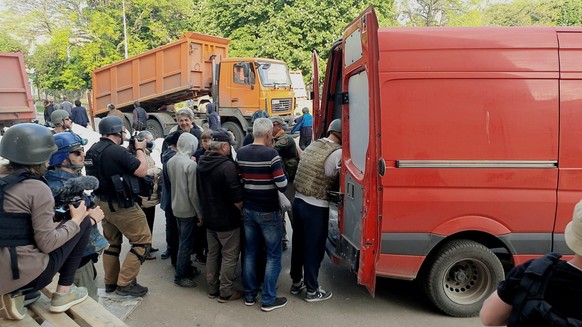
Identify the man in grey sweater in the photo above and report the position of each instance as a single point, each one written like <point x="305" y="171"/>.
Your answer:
<point x="185" y="205"/>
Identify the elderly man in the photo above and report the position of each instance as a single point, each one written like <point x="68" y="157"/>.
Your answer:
<point x="221" y="198"/>
<point x="186" y="123"/>
<point x="263" y="176"/>
<point x="304" y="124"/>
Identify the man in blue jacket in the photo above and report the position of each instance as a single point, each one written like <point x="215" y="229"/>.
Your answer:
<point x="304" y="124"/>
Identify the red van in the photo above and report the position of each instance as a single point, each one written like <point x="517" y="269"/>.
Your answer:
<point x="462" y="150"/>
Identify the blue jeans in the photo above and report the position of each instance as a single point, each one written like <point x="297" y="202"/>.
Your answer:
<point x="183" y="264"/>
<point x="262" y="226"/>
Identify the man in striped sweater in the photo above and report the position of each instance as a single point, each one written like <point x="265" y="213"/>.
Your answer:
<point x="263" y="176"/>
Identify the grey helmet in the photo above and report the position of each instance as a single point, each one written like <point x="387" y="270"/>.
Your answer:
<point x="27" y="144"/>
<point x="110" y="125"/>
<point x="58" y="116"/>
<point x="335" y="126"/>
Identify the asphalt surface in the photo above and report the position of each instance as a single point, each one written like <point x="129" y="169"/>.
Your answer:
<point x="397" y="303"/>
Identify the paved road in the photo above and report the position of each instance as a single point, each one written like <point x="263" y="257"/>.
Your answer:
<point x="397" y="303"/>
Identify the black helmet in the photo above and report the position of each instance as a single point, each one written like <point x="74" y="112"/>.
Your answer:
<point x="27" y="144"/>
<point x="335" y="126"/>
<point x="110" y="125"/>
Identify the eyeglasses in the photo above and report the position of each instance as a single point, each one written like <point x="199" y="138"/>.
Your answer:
<point x="77" y="152"/>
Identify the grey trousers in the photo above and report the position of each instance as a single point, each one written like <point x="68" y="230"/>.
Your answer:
<point x="221" y="260"/>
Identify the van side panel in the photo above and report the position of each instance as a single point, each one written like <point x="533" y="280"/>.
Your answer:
<point x="470" y="123"/>
<point x="570" y="182"/>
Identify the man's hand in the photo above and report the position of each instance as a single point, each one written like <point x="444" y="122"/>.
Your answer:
<point x="97" y="214"/>
<point x="140" y="144"/>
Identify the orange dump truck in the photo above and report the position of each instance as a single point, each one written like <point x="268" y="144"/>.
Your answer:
<point x="16" y="104"/>
<point x="196" y="67"/>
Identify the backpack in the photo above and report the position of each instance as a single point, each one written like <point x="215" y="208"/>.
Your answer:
<point x="529" y="308"/>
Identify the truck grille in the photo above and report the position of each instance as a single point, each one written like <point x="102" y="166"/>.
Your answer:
<point x="281" y="105"/>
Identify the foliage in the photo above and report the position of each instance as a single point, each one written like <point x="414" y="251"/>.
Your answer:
<point x="68" y="39"/>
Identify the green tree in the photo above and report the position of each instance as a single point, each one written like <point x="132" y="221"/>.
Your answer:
<point x="439" y="12"/>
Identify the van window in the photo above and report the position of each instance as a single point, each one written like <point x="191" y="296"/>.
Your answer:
<point x="359" y="122"/>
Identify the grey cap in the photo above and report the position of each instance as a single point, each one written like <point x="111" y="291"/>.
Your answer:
<point x="305" y="110"/>
<point x="27" y="144"/>
<point x="277" y="119"/>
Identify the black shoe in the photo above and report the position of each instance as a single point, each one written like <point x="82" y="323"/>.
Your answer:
<point x="165" y="255"/>
<point x="213" y="295"/>
<point x="185" y="282"/>
<point x="278" y="303"/>
<point x="152" y="250"/>
<point x="201" y="259"/>
<point x="133" y="289"/>
<point x="30" y="298"/>
<point x="110" y="288"/>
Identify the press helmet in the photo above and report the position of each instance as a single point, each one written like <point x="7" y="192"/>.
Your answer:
<point x="335" y="126"/>
<point x="58" y="116"/>
<point x="27" y="144"/>
<point x="66" y="143"/>
<point x="110" y="125"/>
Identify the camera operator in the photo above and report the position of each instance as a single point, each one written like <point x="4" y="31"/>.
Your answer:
<point x="32" y="247"/>
<point x="64" y="165"/>
<point x="117" y="170"/>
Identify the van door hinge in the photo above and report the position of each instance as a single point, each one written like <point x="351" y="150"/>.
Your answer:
<point x="345" y="98"/>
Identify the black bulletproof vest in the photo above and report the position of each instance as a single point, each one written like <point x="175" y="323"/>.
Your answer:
<point x="15" y="228"/>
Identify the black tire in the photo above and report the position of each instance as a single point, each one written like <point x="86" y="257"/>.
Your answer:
<point x="237" y="131"/>
<point x="461" y="276"/>
<point x="154" y="127"/>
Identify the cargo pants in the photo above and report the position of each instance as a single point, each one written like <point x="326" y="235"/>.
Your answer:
<point x="131" y="223"/>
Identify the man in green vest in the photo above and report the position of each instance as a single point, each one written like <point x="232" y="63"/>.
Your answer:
<point x="317" y="174"/>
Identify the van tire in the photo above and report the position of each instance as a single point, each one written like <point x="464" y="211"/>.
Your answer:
<point x="154" y="127"/>
<point x="461" y="276"/>
<point x="237" y="131"/>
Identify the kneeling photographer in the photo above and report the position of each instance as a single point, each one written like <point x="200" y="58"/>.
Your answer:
<point x="117" y="169"/>
<point x="32" y="247"/>
<point x="65" y="167"/>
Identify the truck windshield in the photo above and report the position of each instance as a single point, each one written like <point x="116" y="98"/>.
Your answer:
<point x="273" y="74"/>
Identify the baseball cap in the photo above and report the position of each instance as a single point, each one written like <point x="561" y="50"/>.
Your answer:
<point x="573" y="233"/>
<point x="222" y="136"/>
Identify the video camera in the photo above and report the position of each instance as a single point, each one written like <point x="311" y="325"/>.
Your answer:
<point x="73" y="192"/>
<point x="133" y="139"/>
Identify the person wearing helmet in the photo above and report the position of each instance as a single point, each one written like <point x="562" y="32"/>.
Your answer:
<point x="317" y="174"/>
<point x="249" y="137"/>
<point x="33" y="247"/>
<point x="61" y="121"/>
<point x="304" y="124"/>
<point x="118" y="171"/>
<point x="65" y="164"/>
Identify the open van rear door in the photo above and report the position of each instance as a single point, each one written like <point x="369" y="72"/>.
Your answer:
<point x="360" y="225"/>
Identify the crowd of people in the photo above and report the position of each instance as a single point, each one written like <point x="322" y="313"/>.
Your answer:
<point x="223" y="210"/>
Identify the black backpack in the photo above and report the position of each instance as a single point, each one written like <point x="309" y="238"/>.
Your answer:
<point x="529" y="308"/>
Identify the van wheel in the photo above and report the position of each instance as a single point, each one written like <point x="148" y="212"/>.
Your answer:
<point x="461" y="276"/>
<point x="237" y="131"/>
<point x="154" y="127"/>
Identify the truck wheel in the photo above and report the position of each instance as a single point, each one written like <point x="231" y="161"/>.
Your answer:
<point x="461" y="276"/>
<point x="154" y="127"/>
<point x="237" y="131"/>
